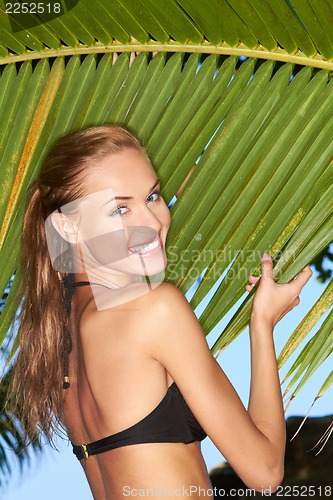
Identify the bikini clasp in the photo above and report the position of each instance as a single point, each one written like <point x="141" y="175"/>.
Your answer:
<point x="84" y="451"/>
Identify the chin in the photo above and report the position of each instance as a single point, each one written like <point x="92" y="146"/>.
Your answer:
<point x="152" y="271"/>
<point x="154" y="266"/>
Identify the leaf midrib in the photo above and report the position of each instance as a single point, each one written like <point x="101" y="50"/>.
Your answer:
<point x="259" y="52"/>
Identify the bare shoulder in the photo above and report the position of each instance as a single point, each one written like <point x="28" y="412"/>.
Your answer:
<point x="167" y="306"/>
<point x="170" y="319"/>
<point x="155" y="318"/>
<point x="166" y="289"/>
<point x="166" y="297"/>
<point x="155" y="307"/>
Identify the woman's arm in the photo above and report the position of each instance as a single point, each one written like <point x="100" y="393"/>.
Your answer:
<point x="265" y="402"/>
<point x="253" y="441"/>
<point x="271" y="303"/>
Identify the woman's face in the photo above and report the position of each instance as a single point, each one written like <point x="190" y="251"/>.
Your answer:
<point x="123" y="220"/>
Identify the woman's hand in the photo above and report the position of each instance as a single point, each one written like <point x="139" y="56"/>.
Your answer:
<point x="272" y="300"/>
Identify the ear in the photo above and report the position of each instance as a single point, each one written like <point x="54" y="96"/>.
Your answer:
<point x="64" y="227"/>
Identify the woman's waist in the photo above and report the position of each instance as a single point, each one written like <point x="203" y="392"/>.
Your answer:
<point x="157" y="466"/>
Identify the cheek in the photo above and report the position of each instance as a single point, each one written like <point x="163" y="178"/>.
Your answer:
<point x="165" y="217"/>
<point x="168" y="220"/>
<point x="94" y="224"/>
<point x="89" y="229"/>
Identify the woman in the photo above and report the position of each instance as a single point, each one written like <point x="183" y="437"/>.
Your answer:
<point x="133" y="347"/>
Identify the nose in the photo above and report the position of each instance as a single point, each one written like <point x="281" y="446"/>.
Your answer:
<point x="147" y="227"/>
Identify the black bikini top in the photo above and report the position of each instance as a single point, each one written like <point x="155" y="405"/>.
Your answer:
<point x="170" y="422"/>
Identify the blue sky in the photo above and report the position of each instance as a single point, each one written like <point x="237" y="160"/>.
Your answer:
<point x="55" y="475"/>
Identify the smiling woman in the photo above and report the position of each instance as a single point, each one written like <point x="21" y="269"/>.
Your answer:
<point x="115" y="354"/>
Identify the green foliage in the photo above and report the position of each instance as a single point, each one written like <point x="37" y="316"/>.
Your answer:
<point x="244" y="148"/>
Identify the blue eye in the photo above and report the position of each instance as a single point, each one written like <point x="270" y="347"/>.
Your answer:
<point x="152" y="198"/>
<point x="155" y="196"/>
<point x="119" y="211"/>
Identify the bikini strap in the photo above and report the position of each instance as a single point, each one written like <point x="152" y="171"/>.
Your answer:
<point x="82" y="283"/>
<point x="85" y="283"/>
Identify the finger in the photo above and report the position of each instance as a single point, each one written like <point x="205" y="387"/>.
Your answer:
<point x="296" y="302"/>
<point x="253" y="279"/>
<point x="303" y="277"/>
<point x="248" y="288"/>
<point x="267" y="266"/>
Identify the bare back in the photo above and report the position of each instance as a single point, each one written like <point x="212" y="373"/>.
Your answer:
<point x="115" y="383"/>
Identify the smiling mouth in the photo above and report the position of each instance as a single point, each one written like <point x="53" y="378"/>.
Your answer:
<point x="145" y="248"/>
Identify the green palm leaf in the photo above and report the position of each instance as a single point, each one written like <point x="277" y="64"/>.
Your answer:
<point x="298" y="31"/>
<point x="244" y="147"/>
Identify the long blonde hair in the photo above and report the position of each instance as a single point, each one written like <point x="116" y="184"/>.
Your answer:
<point x="36" y="391"/>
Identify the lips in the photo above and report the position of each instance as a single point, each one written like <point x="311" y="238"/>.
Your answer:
<point x="146" y="247"/>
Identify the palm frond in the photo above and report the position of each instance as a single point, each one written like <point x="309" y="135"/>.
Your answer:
<point x="243" y="149"/>
<point x="297" y="31"/>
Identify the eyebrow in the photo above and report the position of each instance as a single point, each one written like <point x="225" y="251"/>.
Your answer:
<point x="131" y="197"/>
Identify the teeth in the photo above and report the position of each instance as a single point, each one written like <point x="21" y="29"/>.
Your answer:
<point x="145" y="248"/>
